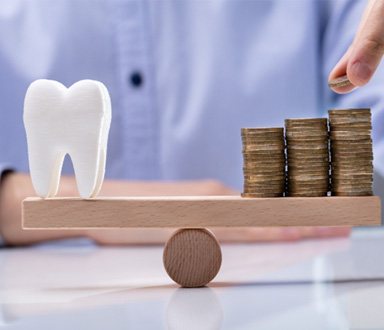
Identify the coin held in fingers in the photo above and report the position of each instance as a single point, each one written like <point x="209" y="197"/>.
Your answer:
<point x="342" y="81"/>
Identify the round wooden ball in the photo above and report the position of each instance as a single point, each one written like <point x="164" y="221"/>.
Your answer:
<point x="192" y="257"/>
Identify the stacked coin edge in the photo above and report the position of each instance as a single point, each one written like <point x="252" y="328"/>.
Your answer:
<point x="307" y="157"/>
<point x="351" y="152"/>
<point x="264" y="162"/>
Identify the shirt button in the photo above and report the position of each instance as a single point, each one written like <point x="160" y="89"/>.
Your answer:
<point x="136" y="79"/>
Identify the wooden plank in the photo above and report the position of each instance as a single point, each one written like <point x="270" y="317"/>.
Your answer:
<point x="199" y="211"/>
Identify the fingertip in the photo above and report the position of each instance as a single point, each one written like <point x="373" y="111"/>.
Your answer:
<point x="336" y="73"/>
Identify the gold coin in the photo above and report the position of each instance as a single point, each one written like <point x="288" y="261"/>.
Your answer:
<point x="353" y="135"/>
<point x="308" y="194"/>
<point x="355" y="193"/>
<point x="346" y="162"/>
<point x="342" y="81"/>
<point x="349" y="126"/>
<point x="262" y="130"/>
<point x="351" y="144"/>
<point x="349" y="112"/>
<point x="340" y="170"/>
<point x="306" y="121"/>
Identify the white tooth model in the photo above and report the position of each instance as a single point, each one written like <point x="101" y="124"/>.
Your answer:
<point x="60" y="121"/>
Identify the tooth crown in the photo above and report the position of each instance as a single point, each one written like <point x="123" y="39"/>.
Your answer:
<point x="60" y="121"/>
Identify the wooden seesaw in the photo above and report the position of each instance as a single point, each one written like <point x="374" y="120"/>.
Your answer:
<point x="192" y="256"/>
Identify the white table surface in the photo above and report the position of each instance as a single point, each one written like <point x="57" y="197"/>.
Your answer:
<point x="316" y="284"/>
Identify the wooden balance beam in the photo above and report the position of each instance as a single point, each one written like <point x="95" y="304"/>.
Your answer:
<point x="199" y="212"/>
<point x="192" y="256"/>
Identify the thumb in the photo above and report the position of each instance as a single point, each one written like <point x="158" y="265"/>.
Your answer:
<point x="364" y="61"/>
<point x="368" y="47"/>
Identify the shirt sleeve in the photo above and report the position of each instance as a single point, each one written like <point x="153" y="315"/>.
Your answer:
<point x="338" y="34"/>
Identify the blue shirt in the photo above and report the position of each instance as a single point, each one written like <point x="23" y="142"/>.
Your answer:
<point x="184" y="76"/>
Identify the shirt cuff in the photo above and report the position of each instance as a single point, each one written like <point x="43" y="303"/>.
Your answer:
<point x="4" y="168"/>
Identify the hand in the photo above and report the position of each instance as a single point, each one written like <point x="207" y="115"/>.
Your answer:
<point x="13" y="189"/>
<point x="364" y="55"/>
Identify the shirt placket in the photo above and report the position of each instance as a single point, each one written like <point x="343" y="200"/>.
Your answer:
<point x="136" y="97"/>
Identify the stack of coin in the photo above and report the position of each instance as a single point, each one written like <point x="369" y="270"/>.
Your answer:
<point x="308" y="157"/>
<point x="264" y="162"/>
<point x="351" y="152"/>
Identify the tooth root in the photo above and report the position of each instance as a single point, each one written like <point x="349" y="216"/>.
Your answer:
<point x="101" y="172"/>
<point x="89" y="170"/>
<point x="45" y="168"/>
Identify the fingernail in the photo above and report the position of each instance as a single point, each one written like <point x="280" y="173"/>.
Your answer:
<point x="362" y="71"/>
